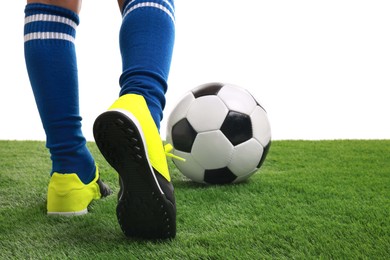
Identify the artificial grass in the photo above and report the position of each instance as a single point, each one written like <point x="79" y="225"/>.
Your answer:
<point x="311" y="199"/>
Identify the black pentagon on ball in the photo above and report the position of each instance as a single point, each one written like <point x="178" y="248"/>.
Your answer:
<point x="183" y="136"/>
<point x="219" y="176"/>
<point x="237" y="127"/>
<point x="209" y="89"/>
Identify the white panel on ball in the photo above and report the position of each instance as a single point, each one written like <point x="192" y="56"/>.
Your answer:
<point x="244" y="177"/>
<point x="180" y="110"/>
<point x="237" y="99"/>
<point x="246" y="157"/>
<point x="190" y="168"/>
<point x="212" y="150"/>
<point x="261" y="126"/>
<point x="207" y="113"/>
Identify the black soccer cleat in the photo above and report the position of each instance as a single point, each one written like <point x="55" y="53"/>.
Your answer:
<point x="146" y="203"/>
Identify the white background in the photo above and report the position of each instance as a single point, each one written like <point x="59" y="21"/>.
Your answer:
<point x="320" y="68"/>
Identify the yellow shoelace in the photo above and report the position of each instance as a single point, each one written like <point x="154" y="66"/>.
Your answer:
<point x="168" y="148"/>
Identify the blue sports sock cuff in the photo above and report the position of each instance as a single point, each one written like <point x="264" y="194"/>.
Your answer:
<point x="48" y="22"/>
<point x="36" y="8"/>
<point x="164" y="5"/>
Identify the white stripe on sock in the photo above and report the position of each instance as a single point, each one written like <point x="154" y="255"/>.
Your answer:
<point x="48" y="36"/>
<point x="150" y="4"/>
<point x="169" y="4"/>
<point x="50" y="18"/>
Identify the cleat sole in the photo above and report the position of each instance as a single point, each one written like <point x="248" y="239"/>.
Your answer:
<point x="143" y="210"/>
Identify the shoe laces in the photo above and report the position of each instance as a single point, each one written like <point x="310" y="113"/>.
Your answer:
<point x="168" y="149"/>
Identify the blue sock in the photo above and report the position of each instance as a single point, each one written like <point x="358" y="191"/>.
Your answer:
<point x="50" y="56"/>
<point x="146" y="43"/>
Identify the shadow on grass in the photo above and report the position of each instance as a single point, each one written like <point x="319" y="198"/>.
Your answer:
<point x="191" y="185"/>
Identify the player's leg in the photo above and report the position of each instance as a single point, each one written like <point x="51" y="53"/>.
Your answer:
<point x="127" y="134"/>
<point x="73" y="5"/>
<point x="49" y="34"/>
<point x="146" y="42"/>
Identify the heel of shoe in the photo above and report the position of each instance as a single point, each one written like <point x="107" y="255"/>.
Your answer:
<point x="67" y="195"/>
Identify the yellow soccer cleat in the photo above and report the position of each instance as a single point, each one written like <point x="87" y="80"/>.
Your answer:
<point x="129" y="140"/>
<point x="68" y="196"/>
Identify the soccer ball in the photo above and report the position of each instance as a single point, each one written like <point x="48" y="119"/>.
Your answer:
<point x="221" y="131"/>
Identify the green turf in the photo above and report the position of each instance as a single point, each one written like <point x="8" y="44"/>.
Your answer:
<point x="311" y="199"/>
